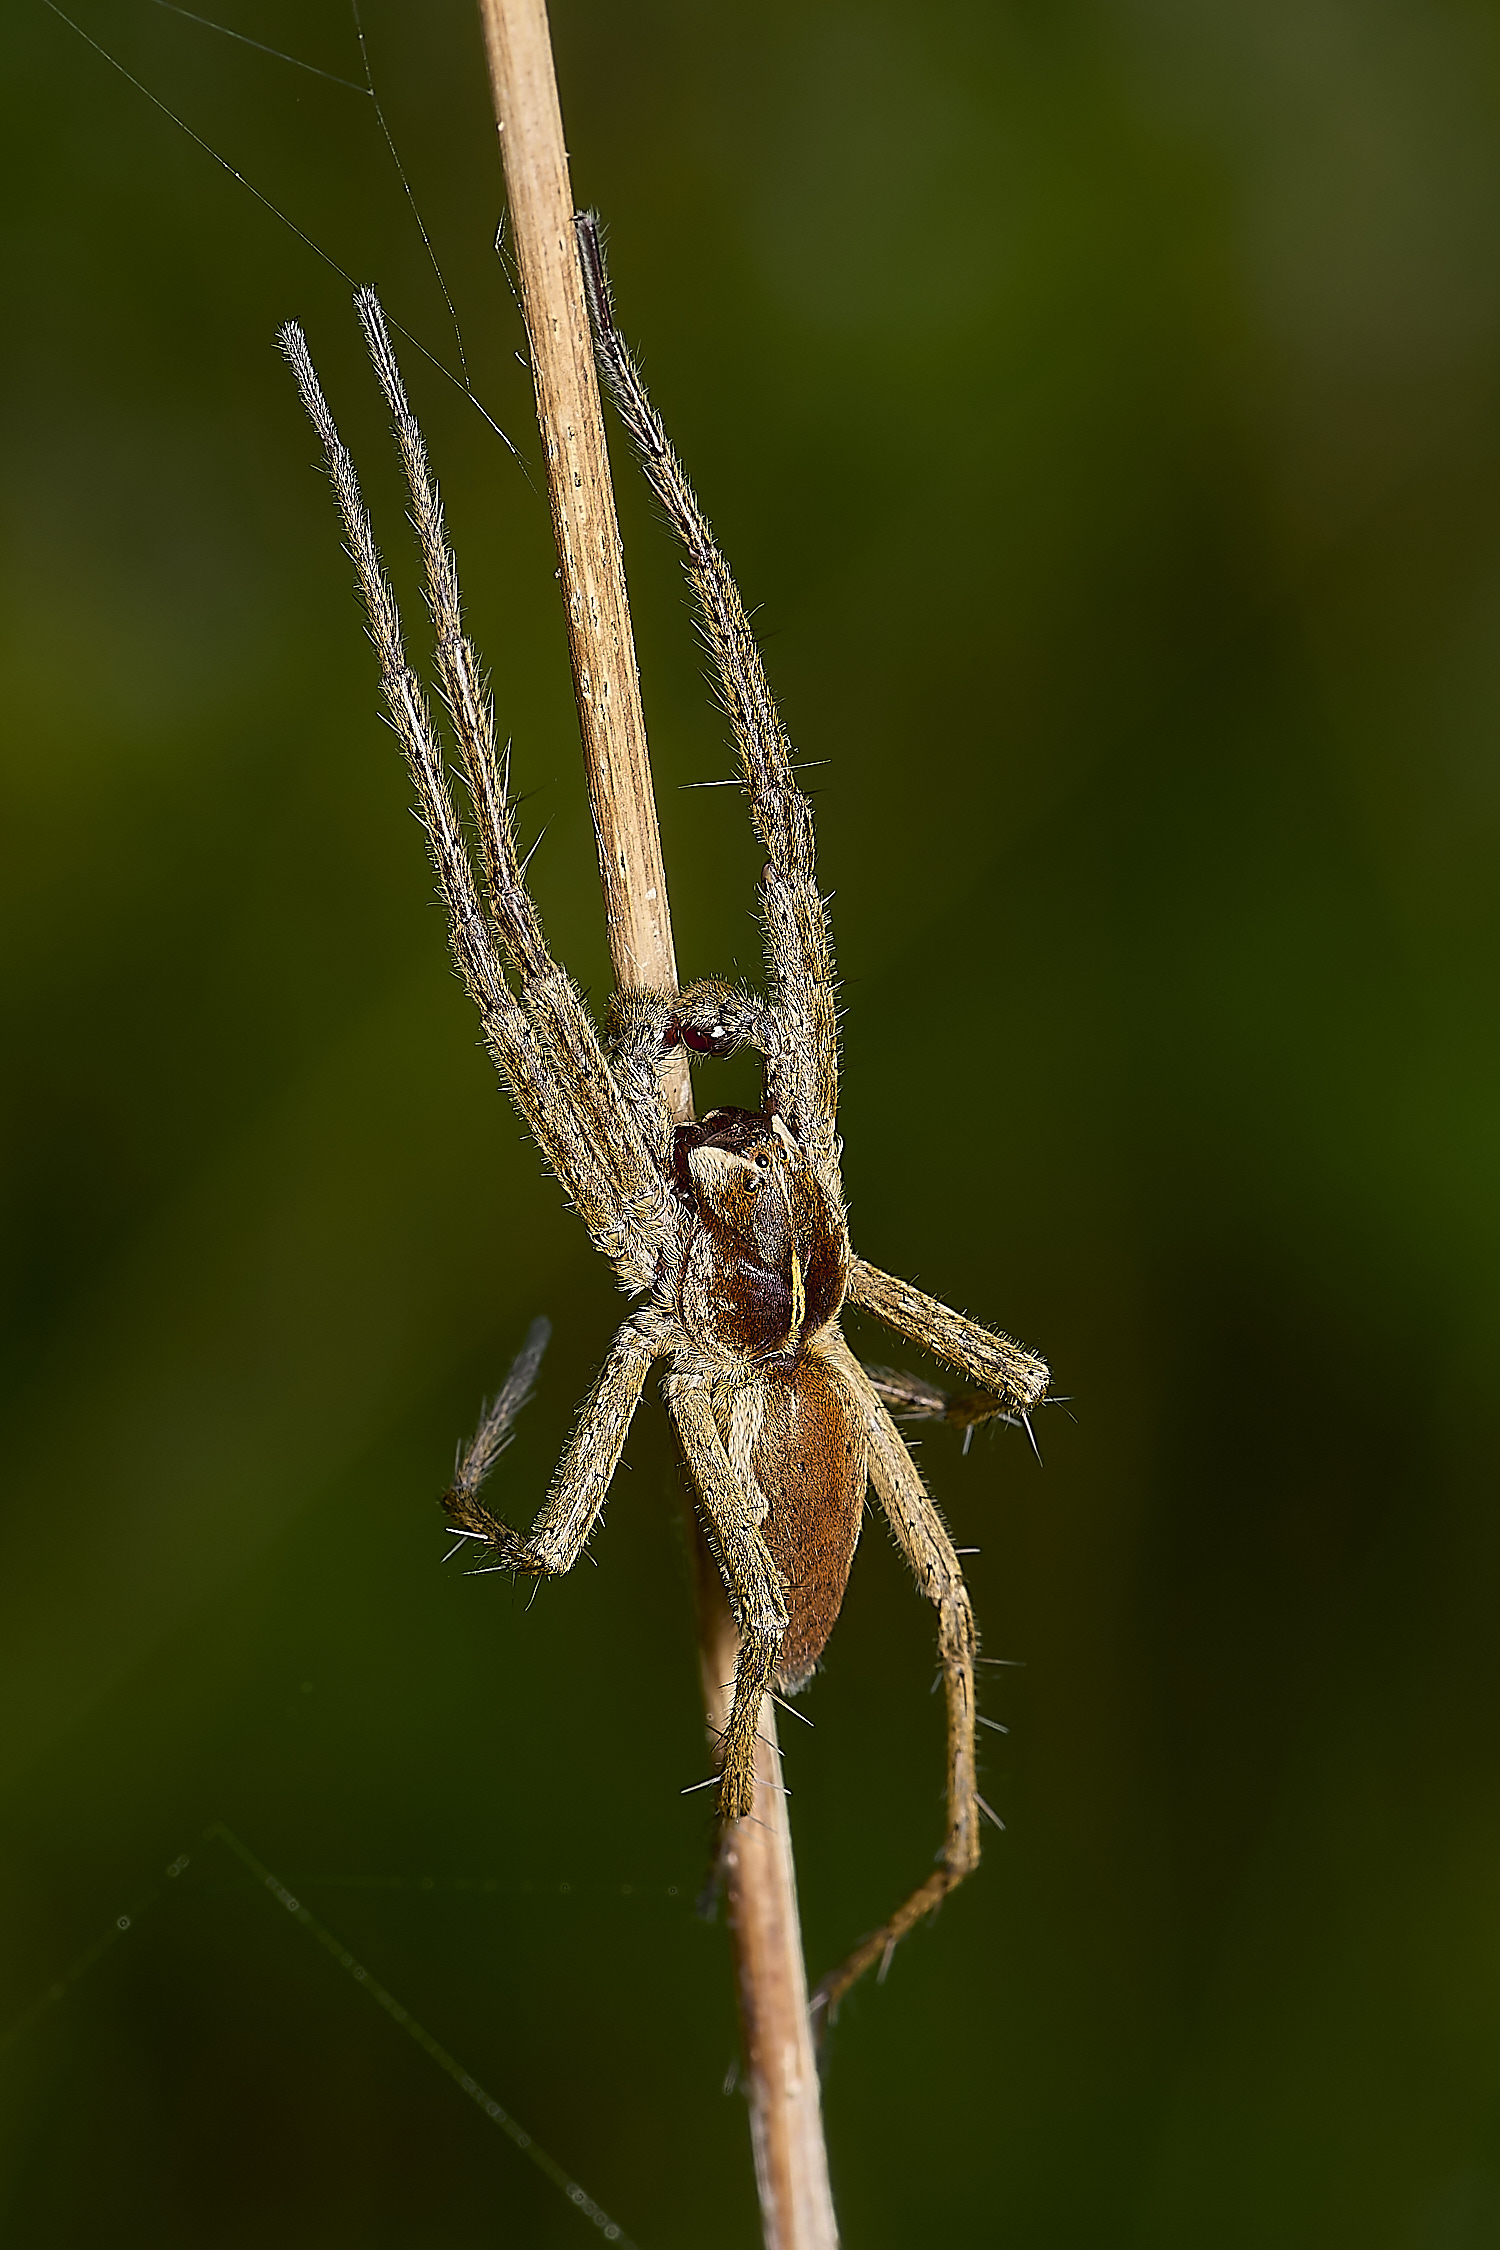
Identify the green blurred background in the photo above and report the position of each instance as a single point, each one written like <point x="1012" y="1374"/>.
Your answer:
<point x="1101" y="402"/>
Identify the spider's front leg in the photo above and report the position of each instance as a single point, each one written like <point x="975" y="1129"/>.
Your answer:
<point x="750" y="1577"/>
<point x="571" y="1508"/>
<point x="802" y="1074"/>
<point x="607" y="1153"/>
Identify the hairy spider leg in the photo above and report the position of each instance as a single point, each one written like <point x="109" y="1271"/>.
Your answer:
<point x="550" y="1000"/>
<point x="582" y="1478"/>
<point x="802" y="1073"/>
<point x="924" y="1541"/>
<point x="751" y="1577"/>
<point x="546" y="1052"/>
<point x="1017" y="1379"/>
<point x="917" y="1400"/>
<point x="494" y="1432"/>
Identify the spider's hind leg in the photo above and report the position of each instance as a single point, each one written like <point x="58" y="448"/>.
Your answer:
<point x="924" y="1541"/>
<point x="917" y="1400"/>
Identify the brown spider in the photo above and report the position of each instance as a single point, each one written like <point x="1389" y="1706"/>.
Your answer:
<point x="731" y="1232"/>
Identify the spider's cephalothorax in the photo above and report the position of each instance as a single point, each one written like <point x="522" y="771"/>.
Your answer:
<point x="767" y="1260"/>
<point x="731" y="1233"/>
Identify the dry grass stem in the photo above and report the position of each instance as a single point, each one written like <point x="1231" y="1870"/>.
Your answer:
<point x="781" y="2074"/>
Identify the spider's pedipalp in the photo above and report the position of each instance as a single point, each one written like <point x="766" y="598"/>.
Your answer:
<point x="709" y="1018"/>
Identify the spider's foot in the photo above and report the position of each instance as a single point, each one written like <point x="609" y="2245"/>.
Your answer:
<point x="502" y="1548"/>
<point x="913" y="1399"/>
<point x="972" y="1408"/>
<point x="736" y="1795"/>
<point x="823" y="2005"/>
<point x="737" y="1790"/>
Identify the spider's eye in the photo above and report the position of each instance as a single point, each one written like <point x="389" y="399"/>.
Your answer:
<point x="762" y="1161"/>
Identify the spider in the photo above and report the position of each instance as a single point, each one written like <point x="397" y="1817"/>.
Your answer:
<point x="731" y="1232"/>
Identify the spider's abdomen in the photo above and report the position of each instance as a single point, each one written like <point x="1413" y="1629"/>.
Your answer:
<point x="809" y="1462"/>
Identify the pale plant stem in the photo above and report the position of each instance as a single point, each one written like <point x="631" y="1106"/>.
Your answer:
<point x="781" y="2079"/>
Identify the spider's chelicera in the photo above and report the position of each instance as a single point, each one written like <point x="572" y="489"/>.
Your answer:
<point x="731" y="1232"/>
